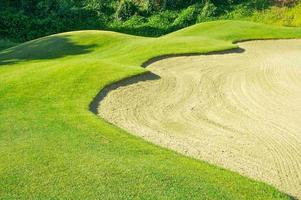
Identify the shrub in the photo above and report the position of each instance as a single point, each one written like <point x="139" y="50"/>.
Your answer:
<point x="14" y="24"/>
<point x="162" y="19"/>
<point x="284" y="2"/>
<point x="4" y="44"/>
<point x="187" y="17"/>
<point x="147" y="7"/>
<point x="126" y="9"/>
<point x="208" y="10"/>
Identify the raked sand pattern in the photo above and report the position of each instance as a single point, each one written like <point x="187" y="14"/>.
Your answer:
<point x="241" y="111"/>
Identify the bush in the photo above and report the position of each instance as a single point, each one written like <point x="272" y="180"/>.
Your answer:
<point x="30" y="19"/>
<point x="162" y="19"/>
<point x="208" y="10"/>
<point x="4" y="44"/>
<point x="179" y="4"/>
<point x="126" y="9"/>
<point x="279" y="16"/>
<point x="187" y="17"/>
<point x="284" y="2"/>
<point x="147" y="7"/>
<point x="14" y="25"/>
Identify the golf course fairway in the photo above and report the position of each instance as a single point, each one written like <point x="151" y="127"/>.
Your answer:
<point x="53" y="146"/>
<point x="239" y="110"/>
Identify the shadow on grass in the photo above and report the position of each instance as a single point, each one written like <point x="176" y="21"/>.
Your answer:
<point x="42" y="49"/>
<point x="5" y="44"/>
<point x="162" y="57"/>
<point x="144" y="30"/>
<point x="93" y="107"/>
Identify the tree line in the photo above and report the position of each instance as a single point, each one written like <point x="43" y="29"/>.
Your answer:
<point x="22" y="20"/>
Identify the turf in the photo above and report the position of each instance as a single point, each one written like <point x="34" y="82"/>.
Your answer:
<point x="52" y="146"/>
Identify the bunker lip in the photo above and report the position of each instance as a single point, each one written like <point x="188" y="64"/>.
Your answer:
<point x="93" y="106"/>
<point x="238" y="110"/>
<point x="166" y="56"/>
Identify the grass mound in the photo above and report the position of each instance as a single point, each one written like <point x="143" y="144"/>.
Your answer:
<point x="52" y="146"/>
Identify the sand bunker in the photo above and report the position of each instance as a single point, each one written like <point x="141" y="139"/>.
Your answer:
<point x="241" y="111"/>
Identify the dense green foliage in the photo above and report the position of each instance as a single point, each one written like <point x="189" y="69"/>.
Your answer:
<point x="6" y="44"/>
<point x="287" y="16"/>
<point x="53" y="147"/>
<point x="23" y="20"/>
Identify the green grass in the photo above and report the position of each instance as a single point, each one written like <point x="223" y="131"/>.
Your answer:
<point x="52" y="146"/>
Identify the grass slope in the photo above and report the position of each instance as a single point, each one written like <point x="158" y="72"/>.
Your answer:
<point x="52" y="146"/>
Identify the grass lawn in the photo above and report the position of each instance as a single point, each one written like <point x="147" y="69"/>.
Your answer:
<point x="52" y="146"/>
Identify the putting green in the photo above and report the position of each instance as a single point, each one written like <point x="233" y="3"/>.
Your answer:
<point x="53" y="147"/>
<point x="239" y="110"/>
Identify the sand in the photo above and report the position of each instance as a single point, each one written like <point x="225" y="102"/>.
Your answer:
<point x="240" y="111"/>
